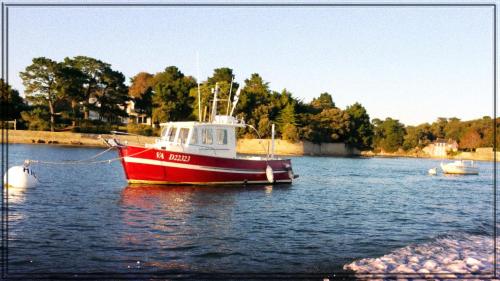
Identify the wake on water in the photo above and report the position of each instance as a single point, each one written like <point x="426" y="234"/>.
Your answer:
<point x="450" y="256"/>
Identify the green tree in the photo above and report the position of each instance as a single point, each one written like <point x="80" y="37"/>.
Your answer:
<point x="254" y="103"/>
<point x="287" y="124"/>
<point x="70" y="89"/>
<point x="417" y="136"/>
<point x="12" y="104"/>
<point x="112" y="96"/>
<point x="40" y="80"/>
<point x="438" y="128"/>
<point x="171" y="98"/>
<point x="389" y="134"/>
<point x="453" y="129"/>
<point x="336" y="124"/>
<point x="324" y="101"/>
<point x="36" y="118"/>
<point x="360" y="129"/>
<point x="222" y="77"/>
<point x="290" y="133"/>
<point x="330" y="125"/>
<point x="92" y="83"/>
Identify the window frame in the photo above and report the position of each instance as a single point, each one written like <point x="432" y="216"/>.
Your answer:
<point x="207" y="131"/>
<point x="218" y="139"/>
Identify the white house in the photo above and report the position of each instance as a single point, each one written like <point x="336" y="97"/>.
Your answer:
<point x="441" y="147"/>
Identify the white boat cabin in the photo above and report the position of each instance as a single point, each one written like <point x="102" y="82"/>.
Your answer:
<point x="217" y="138"/>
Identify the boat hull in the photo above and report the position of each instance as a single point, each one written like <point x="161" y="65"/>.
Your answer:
<point x="154" y="166"/>
<point x="457" y="170"/>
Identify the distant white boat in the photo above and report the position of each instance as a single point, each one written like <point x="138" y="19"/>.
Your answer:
<point x="462" y="167"/>
<point x="433" y="171"/>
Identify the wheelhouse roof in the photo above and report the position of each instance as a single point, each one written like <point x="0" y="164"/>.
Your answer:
<point x="198" y="124"/>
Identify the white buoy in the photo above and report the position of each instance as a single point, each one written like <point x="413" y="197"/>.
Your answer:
<point x="269" y="174"/>
<point x="433" y="171"/>
<point x="20" y="176"/>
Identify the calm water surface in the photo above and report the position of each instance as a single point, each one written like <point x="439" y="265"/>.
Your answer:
<point x="84" y="218"/>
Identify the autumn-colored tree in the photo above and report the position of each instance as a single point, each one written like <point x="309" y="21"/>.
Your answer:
<point x="470" y="140"/>
<point x="141" y="92"/>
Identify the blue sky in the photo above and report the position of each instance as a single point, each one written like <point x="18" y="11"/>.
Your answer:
<point x="412" y="64"/>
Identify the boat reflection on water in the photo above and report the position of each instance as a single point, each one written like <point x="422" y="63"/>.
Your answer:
<point x="167" y="197"/>
<point x="174" y="223"/>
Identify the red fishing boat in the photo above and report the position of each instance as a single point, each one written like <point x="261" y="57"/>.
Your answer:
<point x="201" y="153"/>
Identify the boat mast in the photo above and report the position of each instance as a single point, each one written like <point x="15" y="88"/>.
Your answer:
<point x="198" y="80"/>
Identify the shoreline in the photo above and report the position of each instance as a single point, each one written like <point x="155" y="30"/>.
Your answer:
<point x="475" y="156"/>
<point x="244" y="146"/>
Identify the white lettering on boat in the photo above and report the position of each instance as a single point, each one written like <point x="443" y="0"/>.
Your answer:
<point x="179" y="158"/>
<point x="159" y="155"/>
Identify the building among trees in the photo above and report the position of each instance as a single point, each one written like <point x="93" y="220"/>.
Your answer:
<point x="441" y="147"/>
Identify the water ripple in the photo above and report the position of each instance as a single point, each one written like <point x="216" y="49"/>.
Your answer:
<point x="340" y="210"/>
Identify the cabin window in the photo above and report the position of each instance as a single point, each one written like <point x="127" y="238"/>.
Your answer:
<point x="194" y="136"/>
<point x="183" y="135"/>
<point x="221" y="136"/>
<point x="171" y="134"/>
<point x="206" y="136"/>
<point x="164" y="132"/>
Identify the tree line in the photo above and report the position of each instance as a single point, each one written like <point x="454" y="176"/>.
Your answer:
<point x="61" y="95"/>
<point x="391" y="135"/>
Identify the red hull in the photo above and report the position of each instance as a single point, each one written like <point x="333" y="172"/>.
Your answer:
<point x="149" y="165"/>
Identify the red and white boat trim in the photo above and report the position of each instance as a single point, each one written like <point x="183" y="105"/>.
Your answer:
<point x="154" y="166"/>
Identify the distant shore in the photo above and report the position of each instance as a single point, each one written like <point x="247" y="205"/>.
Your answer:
<point x="481" y="154"/>
<point x="244" y="146"/>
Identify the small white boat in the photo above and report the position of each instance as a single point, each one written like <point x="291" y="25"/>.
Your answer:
<point x="461" y="167"/>
<point x="433" y="171"/>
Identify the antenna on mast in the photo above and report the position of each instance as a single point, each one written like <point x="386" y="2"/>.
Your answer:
<point x="236" y="98"/>
<point x="214" y="105"/>
<point x="198" y="81"/>
<point x="229" y="96"/>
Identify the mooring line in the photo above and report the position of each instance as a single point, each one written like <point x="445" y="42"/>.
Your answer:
<point x="85" y="161"/>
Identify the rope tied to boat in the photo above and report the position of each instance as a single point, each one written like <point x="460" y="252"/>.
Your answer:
<point x="86" y="160"/>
